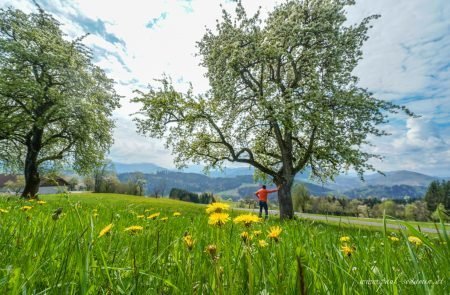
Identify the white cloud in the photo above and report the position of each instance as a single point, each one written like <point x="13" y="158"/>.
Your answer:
<point x="423" y="147"/>
<point x="400" y="53"/>
<point x="133" y="148"/>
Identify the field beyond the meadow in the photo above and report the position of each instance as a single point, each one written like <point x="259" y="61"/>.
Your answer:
<point x="116" y="244"/>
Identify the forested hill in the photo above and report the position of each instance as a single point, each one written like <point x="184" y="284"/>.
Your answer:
<point x="383" y="191"/>
<point x="395" y="184"/>
<point x="193" y="182"/>
<point x="230" y="187"/>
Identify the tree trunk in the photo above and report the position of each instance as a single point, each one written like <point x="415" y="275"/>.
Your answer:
<point x="285" y="199"/>
<point x="32" y="178"/>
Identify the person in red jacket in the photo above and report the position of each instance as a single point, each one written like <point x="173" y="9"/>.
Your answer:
<point x="262" y="196"/>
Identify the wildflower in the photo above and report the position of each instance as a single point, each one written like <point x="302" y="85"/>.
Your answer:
<point x="245" y="237"/>
<point x="40" y="202"/>
<point x="140" y="216"/>
<point x="105" y="230"/>
<point x="189" y="242"/>
<point x="218" y="219"/>
<point x="3" y="210"/>
<point x="217" y="208"/>
<point x="164" y="219"/>
<point x="153" y="216"/>
<point x="247" y="219"/>
<point x="345" y="239"/>
<point x="347" y="250"/>
<point x="134" y="229"/>
<point x="274" y="233"/>
<point x="25" y="208"/>
<point x="415" y="240"/>
<point x="176" y="214"/>
<point x="394" y="239"/>
<point x="257" y="233"/>
<point x="212" y="251"/>
<point x="262" y="243"/>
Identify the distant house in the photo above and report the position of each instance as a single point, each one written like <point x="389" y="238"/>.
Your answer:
<point x="4" y="178"/>
<point x="53" y="186"/>
<point x="47" y="186"/>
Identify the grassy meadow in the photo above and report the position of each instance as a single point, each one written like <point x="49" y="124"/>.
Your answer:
<point x="115" y="244"/>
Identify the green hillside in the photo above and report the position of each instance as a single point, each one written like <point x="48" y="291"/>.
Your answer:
<point x="383" y="191"/>
<point x="116" y="244"/>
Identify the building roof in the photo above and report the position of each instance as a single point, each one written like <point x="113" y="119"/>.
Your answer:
<point x="4" y="178"/>
<point x="58" y="181"/>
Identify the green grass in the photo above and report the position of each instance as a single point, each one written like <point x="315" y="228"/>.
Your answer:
<point x="389" y="221"/>
<point x="39" y="255"/>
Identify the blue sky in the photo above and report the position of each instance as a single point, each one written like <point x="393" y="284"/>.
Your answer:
<point x="406" y="60"/>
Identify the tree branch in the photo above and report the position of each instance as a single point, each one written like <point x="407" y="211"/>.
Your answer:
<point x="302" y="162"/>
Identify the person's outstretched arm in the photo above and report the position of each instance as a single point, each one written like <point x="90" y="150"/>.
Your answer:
<point x="273" y="190"/>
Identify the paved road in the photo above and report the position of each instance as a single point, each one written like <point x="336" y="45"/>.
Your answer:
<point x="345" y="220"/>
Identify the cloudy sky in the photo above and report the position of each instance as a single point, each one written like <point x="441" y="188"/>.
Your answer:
<point x="406" y="60"/>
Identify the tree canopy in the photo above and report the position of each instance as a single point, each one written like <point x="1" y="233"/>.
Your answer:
<point x="282" y="97"/>
<point x="438" y="193"/>
<point x="54" y="103"/>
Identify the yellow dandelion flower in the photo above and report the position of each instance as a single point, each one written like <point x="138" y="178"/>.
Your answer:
<point x="245" y="236"/>
<point x="212" y="251"/>
<point x="394" y="239"/>
<point x="3" y="210"/>
<point x="189" y="242"/>
<point x="217" y="208"/>
<point x="164" y="219"/>
<point x="153" y="216"/>
<point x="140" y="216"/>
<point x="257" y="233"/>
<point x="274" y="233"/>
<point x="262" y="243"/>
<point x="134" y="229"/>
<point x="106" y="230"/>
<point x="31" y="200"/>
<point x="347" y="250"/>
<point x="247" y="219"/>
<point x="40" y="202"/>
<point x="176" y="214"/>
<point x="218" y="219"/>
<point x="26" y="208"/>
<point x="415" y="240"/>
<point x="345" y="239"/>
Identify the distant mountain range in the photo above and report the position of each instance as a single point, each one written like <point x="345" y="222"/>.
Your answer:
<point x="137" y="167"/>
<point x="238" y="182"/>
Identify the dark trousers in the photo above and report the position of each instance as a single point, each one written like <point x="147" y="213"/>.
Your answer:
<point x="262" y="205"/>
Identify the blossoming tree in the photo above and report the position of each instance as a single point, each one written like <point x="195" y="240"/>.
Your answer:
<point x="282" y="97"/>
<point x="54" y="103"/>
